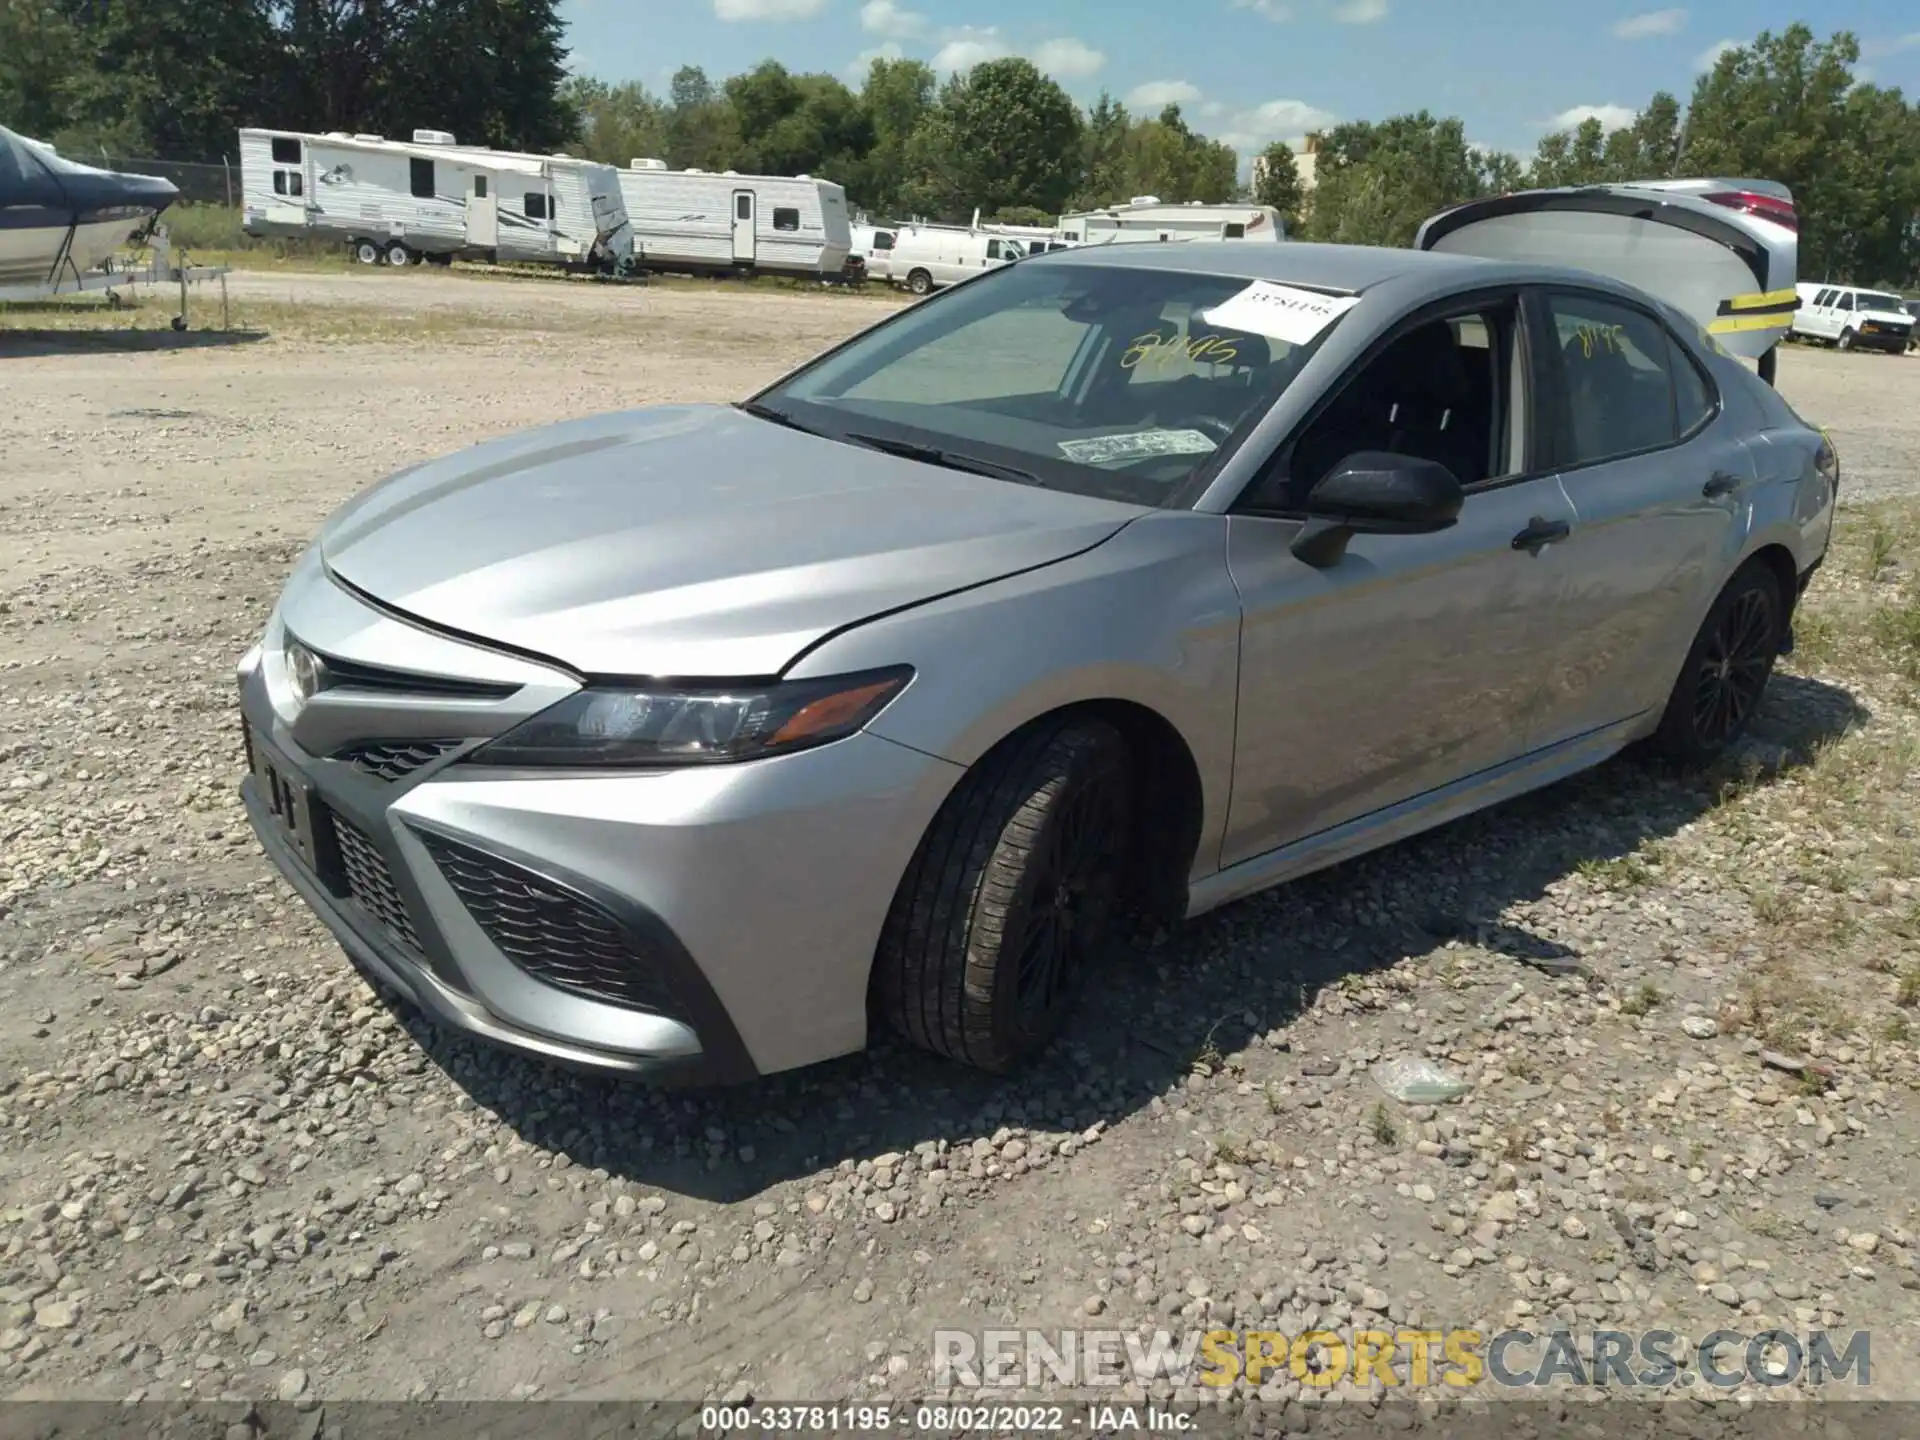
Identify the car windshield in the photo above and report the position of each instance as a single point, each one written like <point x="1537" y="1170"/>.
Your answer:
<point x="1869" y="300"/>
<point x="1109" y="381"/>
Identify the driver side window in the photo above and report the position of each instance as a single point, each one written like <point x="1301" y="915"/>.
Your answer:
<point x="1439" y="391"/>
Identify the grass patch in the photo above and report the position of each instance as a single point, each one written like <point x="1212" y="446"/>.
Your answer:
<point x="1380" y="1125"/>
<point x="1643" y="1000"/>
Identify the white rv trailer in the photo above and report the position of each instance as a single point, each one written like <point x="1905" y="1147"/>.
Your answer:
<point x="432" y="199"/>
<point x="1146" y="218"/>
<point x="707" y="222"/>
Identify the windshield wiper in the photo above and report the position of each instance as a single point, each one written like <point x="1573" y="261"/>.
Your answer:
<point x="778" y="417"/>
<point x="951" y="459"/>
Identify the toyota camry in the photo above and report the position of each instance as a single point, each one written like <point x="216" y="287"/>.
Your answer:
<point x="697" y="741"/>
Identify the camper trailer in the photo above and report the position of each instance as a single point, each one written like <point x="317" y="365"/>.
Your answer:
<point x="702" y="222"/>
<point x="397" y="202"/>
<point x="1146" y="218"/>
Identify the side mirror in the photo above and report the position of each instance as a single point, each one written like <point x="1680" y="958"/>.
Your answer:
<point x="1376" y="492"/>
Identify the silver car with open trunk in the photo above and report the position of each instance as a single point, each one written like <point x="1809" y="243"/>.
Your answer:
<point x="693" y="741"/>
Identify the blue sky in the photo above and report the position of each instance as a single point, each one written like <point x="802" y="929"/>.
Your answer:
<point x="1252" y="71"/>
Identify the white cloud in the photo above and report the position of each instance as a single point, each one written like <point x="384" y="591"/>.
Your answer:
<point x="1277" y="11"/>
<point x="1289" y="120"/>
<point x="1710" y="57"/>
<point x="734" y="10"/>
<point x="1067" y="58"/>
<point x="1893" y="45"/>
<point x="1611" y="117"/>
<point x="1212" y="110"/>
<point x="1650" y="23"/>
<point x="1156" y="94"/>
<point x="970" y="46"/>
<point x="883" y="17"/>
<point x="1361" y="12"/>
<point x="858" y="67"/>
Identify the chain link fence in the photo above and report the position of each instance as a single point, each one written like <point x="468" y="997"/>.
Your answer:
<point x="199" y="182"/>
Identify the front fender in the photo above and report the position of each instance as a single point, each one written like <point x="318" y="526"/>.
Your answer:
<point x="1150" y="618"/>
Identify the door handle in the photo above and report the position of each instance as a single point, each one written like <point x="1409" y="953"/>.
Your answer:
<point x="1721" y="484"/>
<point x="1541" y="531"/>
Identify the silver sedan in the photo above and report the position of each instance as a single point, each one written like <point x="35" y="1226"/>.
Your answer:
<point x="696" y="741"/>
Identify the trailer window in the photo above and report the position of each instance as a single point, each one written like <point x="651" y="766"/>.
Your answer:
<point x="480" y="187"/>
<point x="286" y="151"/>
<point x="422" y="179"/>
<point x="279" y="182"/>
<point x="536" y="206"/>
<point x="785" y="217"/>
<point x="743" y="207"/>
<point x="1236" y="231"/>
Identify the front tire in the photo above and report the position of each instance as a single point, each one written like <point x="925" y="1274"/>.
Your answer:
<point x="1845" y="342"/>
<point x="366" y="252"/>
<point x="1724" y="680"/>
<point x="398" y="255"/>
<point x="1010" y="897"/>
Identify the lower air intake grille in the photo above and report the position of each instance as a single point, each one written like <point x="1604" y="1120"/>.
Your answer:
<point x="551" y="933"/>
<point x="370" y="883"/>
<point x="394" y="759"/>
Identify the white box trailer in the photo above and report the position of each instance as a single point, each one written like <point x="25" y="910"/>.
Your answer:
<point x="396" y="201"/>
<point x="706" y="222"/>
<point x="1145" y="217"/>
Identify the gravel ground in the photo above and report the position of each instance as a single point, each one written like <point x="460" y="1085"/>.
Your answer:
<point x="233" y="1169"/>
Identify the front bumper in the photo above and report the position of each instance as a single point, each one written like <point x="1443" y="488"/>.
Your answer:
<point x="704" y="925"/>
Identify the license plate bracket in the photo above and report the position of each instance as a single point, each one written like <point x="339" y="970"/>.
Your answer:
<point x="287" y="797"/>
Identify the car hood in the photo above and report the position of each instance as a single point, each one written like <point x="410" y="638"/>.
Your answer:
<point x="1886" y="317"/>
<point x="688" y="541"/>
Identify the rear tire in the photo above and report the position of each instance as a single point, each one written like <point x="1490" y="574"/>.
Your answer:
<point x="1724" y="680"/>
<point x="366" y="252"/>
<point x="1012" y="893"/>
<point x="920" y="282"/>
<point x="399" y="256"/>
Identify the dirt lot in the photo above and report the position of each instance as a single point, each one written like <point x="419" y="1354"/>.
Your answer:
<point x="230" y="1168"/>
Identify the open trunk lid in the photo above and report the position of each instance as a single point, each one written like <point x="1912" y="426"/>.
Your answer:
<point x="1723" y="251"/>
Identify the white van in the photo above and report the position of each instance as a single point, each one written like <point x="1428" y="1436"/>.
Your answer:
<point x="926" y="257"/>
<point x="872" y="246"/>
<point x="1850" y="317"/>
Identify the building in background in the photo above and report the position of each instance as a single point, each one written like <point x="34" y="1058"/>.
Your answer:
<point x="1304" y="156"/>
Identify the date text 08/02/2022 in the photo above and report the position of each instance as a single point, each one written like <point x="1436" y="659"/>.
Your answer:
<point x="1097" y="1417"/>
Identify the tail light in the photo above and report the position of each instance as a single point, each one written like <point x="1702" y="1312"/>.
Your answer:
<point x="1766" y="207"/>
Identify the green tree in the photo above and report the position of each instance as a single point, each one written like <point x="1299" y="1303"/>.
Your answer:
<point x="897" y="97"/>
<point x="1106" y="172"/>
<point x="1001" y="134"/>
<point x="701" y="130"/>
<point x="42" y="52"/>
<point x="1375" y="183"/>
<point x="1277" y="182"/>
<point x="490" y="71"/>
<point x="618" y="123"/>
<point x="1787" y="108"/>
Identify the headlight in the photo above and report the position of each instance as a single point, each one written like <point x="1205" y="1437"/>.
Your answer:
<point x="694" y="725"/>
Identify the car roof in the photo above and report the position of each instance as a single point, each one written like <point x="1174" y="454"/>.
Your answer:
<point x="1350" y="268"/>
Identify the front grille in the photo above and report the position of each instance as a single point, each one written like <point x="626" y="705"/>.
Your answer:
<point x="394" y="759"/>
<point x="370" y="883"/>
<point x="552" y="933"/>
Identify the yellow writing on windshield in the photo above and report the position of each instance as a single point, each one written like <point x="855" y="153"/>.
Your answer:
<point x="1155" y="349"/>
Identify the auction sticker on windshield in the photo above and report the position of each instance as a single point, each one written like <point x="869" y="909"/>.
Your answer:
<point x="1280" y="312"/>
<point x="1135" y="445"/>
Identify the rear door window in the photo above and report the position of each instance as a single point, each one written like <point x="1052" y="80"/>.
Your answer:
<point x="1616" y="395"/>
